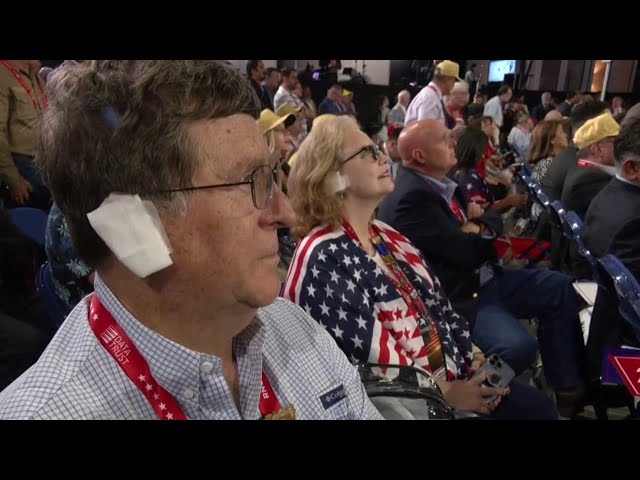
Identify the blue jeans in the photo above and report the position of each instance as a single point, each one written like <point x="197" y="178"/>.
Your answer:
<point x="524" y="402"/>
<point x="530" y="293"/>
<point x="40" y="197"/>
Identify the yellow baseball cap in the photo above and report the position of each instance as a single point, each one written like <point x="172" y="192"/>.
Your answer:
<point x="269" y="120"/>
<point x="346" y="93"/>
<point x="595" y="130"/>
<point x="448" y="69"/>
<point x="287" y="109"/>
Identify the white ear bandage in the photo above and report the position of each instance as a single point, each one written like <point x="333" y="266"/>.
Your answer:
<point x="337" y="183"/>
<point x="133" y="231"/>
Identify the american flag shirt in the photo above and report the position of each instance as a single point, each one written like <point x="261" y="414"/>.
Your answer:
<point x="345" y="290"/>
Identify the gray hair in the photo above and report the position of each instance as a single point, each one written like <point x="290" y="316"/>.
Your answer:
<point x="122" y="126"/>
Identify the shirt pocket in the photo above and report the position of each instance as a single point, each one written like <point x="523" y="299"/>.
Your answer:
<point x="24" y="109"/>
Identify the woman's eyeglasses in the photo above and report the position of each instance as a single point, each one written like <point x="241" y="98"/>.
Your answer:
<point x="261" y="180"/>
<point x="372" y="150"/>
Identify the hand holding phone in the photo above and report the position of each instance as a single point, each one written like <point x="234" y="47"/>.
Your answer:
<point x="499" y="375"/>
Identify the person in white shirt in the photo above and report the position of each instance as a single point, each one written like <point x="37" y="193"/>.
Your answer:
<point x="520" y="136"/>
<point x="428" y="103"/>
<point x="494" y="107"/>
<point x="399" y="111"/>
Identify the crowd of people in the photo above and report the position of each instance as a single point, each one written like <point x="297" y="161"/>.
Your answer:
<point x="223" y="248"/>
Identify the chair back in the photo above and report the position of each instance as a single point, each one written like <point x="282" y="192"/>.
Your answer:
<point x="32" y="222"/>
<point x="55" y="307"/>
<point x="625" y="286"/>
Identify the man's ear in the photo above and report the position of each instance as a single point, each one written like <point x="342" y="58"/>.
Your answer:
<point x="631" y="171"/>
<point x="417" y="156"/>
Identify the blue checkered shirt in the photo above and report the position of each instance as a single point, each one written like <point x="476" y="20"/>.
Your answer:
<point x="76" y="378"/>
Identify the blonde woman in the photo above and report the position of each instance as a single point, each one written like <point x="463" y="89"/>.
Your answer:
<point x="370" y="287"/>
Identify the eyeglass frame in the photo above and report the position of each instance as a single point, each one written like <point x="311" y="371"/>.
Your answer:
<point x="246" y="180"/>
<point x="374" y="150"/>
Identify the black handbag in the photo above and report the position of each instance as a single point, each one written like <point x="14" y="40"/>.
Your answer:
<point x="405" y="382"/>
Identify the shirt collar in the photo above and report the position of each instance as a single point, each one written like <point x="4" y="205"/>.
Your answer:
<point x="604" y="168"/>
<point x="436" y="89"/>
<point x="173" y="366"/>
<point x="445" y="187"/>
<point x="624" y="180"/>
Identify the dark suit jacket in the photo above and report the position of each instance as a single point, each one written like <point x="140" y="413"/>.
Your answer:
<point x="581" y="187"/>
<point x="552" y="184"/>
<point x="612" y="222"/>
<point x="421" y="214"/>
<point x="612" y="225"/>
<point x="329" y="106"/>
<point x="555" y="176"/>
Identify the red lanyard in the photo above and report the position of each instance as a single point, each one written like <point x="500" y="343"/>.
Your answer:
<point x="20" y="80"/>
<point x="402" y="284"/>
<point x="118" y="344"/>
<point x="457" y="210"/>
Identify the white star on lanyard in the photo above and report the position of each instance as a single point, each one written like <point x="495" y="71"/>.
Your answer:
<point x="94" y="316"/>
<point x="163" y="406"/>
<point x="149" y="387"/>
<point x="142" y="378"/>
<point x="169" y="416"/>
<point x="156" y="396"/>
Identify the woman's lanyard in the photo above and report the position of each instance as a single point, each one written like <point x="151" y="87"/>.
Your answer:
<point x="118" y="344"/>
<point x="400" y="282"/>
<point x="26" y="88"/>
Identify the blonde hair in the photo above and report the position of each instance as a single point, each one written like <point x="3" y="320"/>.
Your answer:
<point x="310" y="180"/>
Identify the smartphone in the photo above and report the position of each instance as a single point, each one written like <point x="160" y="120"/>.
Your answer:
<point x="499" y="375"/>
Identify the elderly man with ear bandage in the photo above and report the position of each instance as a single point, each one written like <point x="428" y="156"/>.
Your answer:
<point x="166" y="181"/>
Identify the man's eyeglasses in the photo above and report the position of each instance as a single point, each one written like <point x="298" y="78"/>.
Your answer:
<point x="372" y="150"/>
<point x="261" y="180"/>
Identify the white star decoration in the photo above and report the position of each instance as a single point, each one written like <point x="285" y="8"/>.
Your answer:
<point x="356" y="260"/>
<point x="335" y="277"/>
<point x="338" y="333"/>
<point x="351" y="287"/>
<point x="333" y="247"/>
<point x="344" y="245"/>
<point x="356" y="275"/>
<point x="344" y="299"/>
<point x="169" y="416"/>
<point x="95" y="317"/>
<point x="361" y="322"/>
<point x="156" y="396"/>
<point x="466" y="334"/>
<point x="307" y="308"/>
<point x="149" y="387"/>
<point x="357" y="342"/>
<point x="324" y="308"/>
<point x="315" y="272"/>
<point x="142" y="378"/>
<point x="347" y="260"/>
<point x="329" y="292"/>
<point x="431" y="303"/>
<point x="163" y="406"/>
<point x="311" y="290"/>
<point x="321" y="256"/>
<point x="342" y="315"/>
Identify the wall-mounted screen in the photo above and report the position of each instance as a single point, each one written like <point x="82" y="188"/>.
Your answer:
<point x="499" y="68"/>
